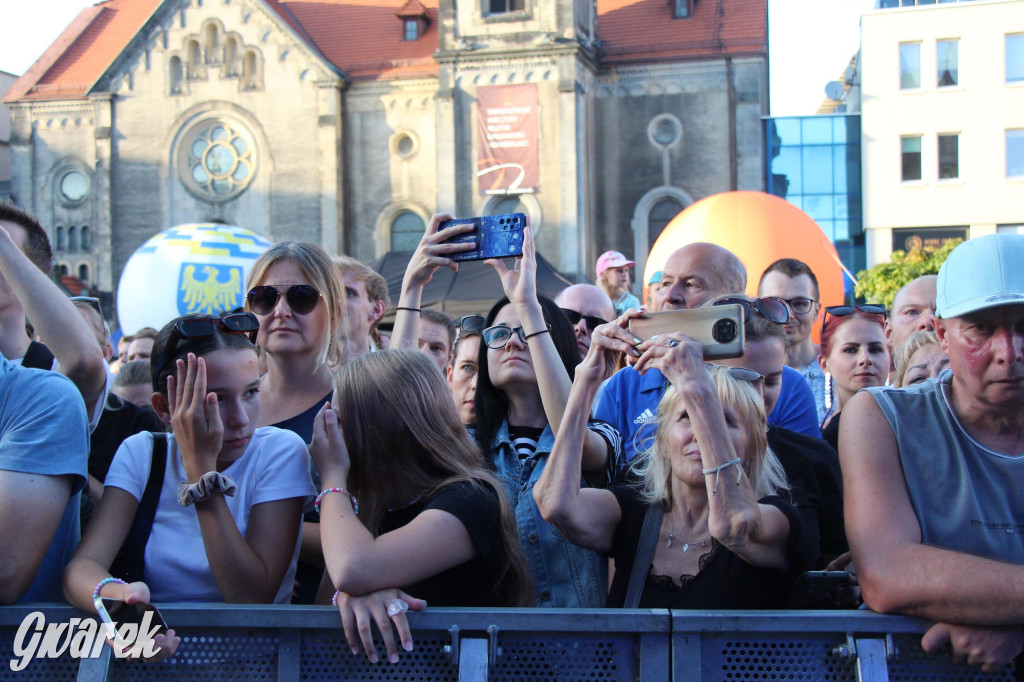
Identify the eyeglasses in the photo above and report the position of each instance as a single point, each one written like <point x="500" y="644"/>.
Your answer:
<point x="302" y="298"/>
<point x="739" y="373"/>
<point x="497" y="337"/>
<point x="92" y="301"/>
<point x="844" y="310"/>
<point x="192" y="328"/>
<point x="593" y="321"/>
<point x="470" y="323"/>
<point x="801" y="305"/>
<point x="771" y="308"/>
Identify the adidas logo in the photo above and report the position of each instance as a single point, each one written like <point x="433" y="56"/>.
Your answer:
<point x="645" y="416"/>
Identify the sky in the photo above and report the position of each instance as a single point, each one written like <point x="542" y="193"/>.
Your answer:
<point x="810" y="41"/>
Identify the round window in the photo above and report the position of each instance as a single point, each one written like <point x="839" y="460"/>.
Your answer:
<point x="74" y="186"/>
<point x="664" y="130"/>
<point x="404" y="144"/>
<point x="217" y="159"/>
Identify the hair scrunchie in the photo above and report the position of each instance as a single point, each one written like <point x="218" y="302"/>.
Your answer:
<point x="210" y="482"/>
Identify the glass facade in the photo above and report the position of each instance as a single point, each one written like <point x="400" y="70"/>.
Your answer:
<point x="814" y="164"/>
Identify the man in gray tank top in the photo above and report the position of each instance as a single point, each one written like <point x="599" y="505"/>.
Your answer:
<point x="934" y="474"/>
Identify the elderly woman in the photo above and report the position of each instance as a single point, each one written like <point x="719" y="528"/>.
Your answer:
<point x="725" y="539"/>
<point x="920" y="358"/>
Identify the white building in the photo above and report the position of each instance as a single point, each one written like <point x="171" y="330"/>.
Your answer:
<point x="942" y="122"/>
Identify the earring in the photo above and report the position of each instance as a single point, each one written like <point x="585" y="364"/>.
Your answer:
<point x="828" y="391"/>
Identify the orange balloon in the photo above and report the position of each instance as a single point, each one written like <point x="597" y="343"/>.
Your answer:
<point x="760" y="229"/>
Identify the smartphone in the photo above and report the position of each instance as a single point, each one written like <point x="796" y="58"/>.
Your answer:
<point x="496" y="236"/>
<point x="823" y="590"/>
<point x="116" y="613"/>
<point x="719" y="329"/>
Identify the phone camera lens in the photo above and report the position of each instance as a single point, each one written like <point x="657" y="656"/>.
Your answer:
<point x="724" y="331"/>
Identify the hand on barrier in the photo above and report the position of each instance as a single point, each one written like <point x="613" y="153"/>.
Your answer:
<point x="988" y="648"/>
<point x="165" y="643"/>
<point x="383" y="607"/>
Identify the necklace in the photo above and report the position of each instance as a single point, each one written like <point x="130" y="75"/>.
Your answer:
<point x="686" y="545"/>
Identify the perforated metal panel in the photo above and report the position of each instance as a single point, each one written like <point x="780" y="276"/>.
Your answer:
<point x="325" y="655"/>
<point x="223" y="654"/>
<point x="914" y="665"/>
<point x="38" y="669"/>
<point x="764" y="657"/>
<point x="565" y="657"/>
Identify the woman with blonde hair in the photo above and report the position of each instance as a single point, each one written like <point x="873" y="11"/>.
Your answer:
<point x="295" y="290"/>
<point x="407" y="505"/>
<point x="725" y="539"/>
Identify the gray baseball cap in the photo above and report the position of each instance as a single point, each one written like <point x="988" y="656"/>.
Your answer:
<point x="984" y="272"/>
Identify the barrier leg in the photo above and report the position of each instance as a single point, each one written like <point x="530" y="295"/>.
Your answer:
<point x="872" y="660"/>
<point x="96" y="669"/>
<point x="473" y="659"/>
<point x="289" y="663"/>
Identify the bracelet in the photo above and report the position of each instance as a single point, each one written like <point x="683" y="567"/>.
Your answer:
<point x="411" y="310"/>
<point x="334" y="599"/>
<point x="718" y="469"/>
<point x="538" y="333"/>
<point x="325" y="493"/>
<point x="105" y="581"/>
<point x="203" y="489"/>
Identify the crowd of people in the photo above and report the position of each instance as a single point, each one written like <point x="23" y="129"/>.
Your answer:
<point x="536" y="454"/>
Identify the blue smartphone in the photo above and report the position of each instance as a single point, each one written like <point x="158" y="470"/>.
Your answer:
<point x="496" y="236"/>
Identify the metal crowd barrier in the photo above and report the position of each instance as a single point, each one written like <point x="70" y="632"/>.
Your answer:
<point x="231" y="642"/>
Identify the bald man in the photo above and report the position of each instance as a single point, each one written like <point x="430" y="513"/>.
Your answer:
<point x="912" y="310"/>
<point x="587" y="306"/>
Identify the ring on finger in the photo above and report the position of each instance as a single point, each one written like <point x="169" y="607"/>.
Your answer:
<point x="397" y="606"/>
<point x="673" y="343"/>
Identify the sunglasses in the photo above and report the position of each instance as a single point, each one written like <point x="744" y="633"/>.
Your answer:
<point x="114" y="612"/>
<point x="497" y="337"/>
<point x="800" y="305"/>
<point x="92" y="301"/>
<point x="592" y="320"/>
<point x="302" y="298"/>
<point x="738" y="373"/>
<point x="771" y="308"/>
<point x="193" y="328"/>
<point x="470" y="323"/>
<point x="844" y="310"/>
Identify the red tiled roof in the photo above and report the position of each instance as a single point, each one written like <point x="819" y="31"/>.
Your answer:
<point x="364" y="39"/>
<point x="645" y="30"/>
<point x="84" y="51"/>
<point x="413" y="8"/>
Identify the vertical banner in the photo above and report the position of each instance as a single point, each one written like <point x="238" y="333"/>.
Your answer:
<point x="507" y="125"/>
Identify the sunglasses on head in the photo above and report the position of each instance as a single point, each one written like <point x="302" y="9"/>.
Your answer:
<point x="192" y="328"/>
<point x="92" y="301"/>
<point x="844" y="310"/>
<point x="593" y="321"/>
<point x="497" y="337"/>
<point x="771" y="308"/>
<point x="302" y="298"/>
<point x="739" y="373"/>
<point x="470" y="323"/>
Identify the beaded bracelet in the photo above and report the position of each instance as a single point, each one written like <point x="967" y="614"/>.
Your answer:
<point x="105" y="581"/>
<point x="334" y="599"/>
<point x="321" y="496"/>
<point x="718" y="469"/>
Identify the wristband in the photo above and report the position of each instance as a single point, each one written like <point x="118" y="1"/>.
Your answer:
<point x="325" y="493"/>
<point x="718" y="469"/>
<point x="546" y="330"/>
<point x="411" y="310"/>
<point x="203" y="489"/>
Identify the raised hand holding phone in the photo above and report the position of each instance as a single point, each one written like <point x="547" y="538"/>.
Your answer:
<point x="520" y="283"/>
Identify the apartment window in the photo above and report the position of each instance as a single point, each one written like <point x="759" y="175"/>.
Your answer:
<point x="910" y="148"/>
<point x="501" y="6"/>
<point x="910" y="66"/>
<point x="1015" y="58"/>
<point x="946" y="61"/>
<point x="412" y="29"/>
<point x="949" y="157"/>
<point x="682" y="9"/>
<point x="1015" y="153"/>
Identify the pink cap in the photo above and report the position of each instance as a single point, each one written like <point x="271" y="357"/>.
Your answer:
<point x="611" y="259"/>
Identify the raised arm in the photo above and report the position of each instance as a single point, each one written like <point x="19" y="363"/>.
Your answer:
<point x="897" y="573"/>
<point x="587" y="516"/>
<point x="758" y="533"/>
<point x="430" y="255"/>
<point x="61" y="327"/>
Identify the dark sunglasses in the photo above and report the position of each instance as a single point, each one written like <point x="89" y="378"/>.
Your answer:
<point x="592" y="320"/>
<point x="800" y="305"/>
<point x="844" y="310"/>
<point x="192" y="328"/>
<point x="739" y="373"/>
<point x="497" y="337"/>
<point x="302" y="298"/>
<point x="771" y="308"/>
<point x="92" y="301"/>
<point x="470" y="323"/>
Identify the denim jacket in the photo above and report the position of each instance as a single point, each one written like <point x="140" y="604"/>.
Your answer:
<point x="564" y="575"/>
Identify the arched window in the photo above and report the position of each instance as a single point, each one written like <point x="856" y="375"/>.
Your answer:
<point x="72" y="238"/>
<point x="232" y="58"/>
<point x="177" y="76"/>
<point x="406" y="231"/>
<point x="85" y="238"/>
<point x="62" y="269"/>
<point x="660" y="216"/>
<point x="195" y="57"/>
<point x="251" y="78"/>
<point x="60" y="239"/>
<point x="83" y="273"/>
<point x="212" y="45"/>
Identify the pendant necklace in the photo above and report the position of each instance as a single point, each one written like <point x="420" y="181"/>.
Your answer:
<point x="686" y="545"/>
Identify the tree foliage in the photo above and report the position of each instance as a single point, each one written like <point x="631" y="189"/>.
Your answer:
<point x="879" y="284"/>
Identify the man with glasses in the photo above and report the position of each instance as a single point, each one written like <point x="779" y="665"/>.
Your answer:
<point x="586" y="306"/>
<point x="794" y="282"/>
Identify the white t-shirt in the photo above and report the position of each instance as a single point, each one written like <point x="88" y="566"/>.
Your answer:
<point x="275" y="466"/>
